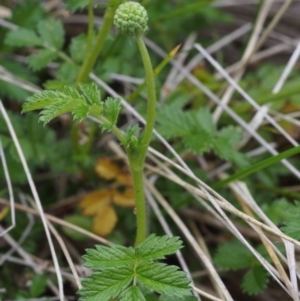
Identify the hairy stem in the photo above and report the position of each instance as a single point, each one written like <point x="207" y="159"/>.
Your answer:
<point x="140" y="203"/>
<point x="91" y="58"/>
<point x="151" y="105"/>
<point x="137" y="159"/>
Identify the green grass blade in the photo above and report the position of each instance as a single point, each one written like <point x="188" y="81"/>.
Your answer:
<point x="258" y="166"/>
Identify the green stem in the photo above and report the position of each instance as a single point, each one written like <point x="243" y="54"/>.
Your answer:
<point x="137" y="159"/>
<point x="151" y="105"/>
<point x="90" y="30"/>
<point x="92" y="57"/>
<point x="140" y="203"/>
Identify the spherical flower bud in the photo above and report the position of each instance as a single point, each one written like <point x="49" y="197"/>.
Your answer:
<point x="131" y="19"/>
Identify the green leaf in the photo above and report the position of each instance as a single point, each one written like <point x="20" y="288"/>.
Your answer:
<point x="172" y="122"/>
<point x="67" y="73"/>
<point x="132" y="294"/>
<point x="55" y="103"/>
<point x="163" y="279"/>
<point x="41" y="59"/>
<point x="95" y="110"/>
<point x="41" y="100"/>
<point x="80" y="111"/>
<point x="38" y="285"/>
<point x="108" y="257"/>
<point x="27" y="13"/>
<point x="76" y="4"/>
<point x="70" y="92"/>
<point x="292" y="227"/>
<point x="224" y="145"/>
<point x="52" y="32"/>
<point x="91" y="92"/>
<point x="113" y="108"/>
<point x="105" y="285"/>
<point x="255" y="280"/>
<point x="233" y="256"/>
<point x="23" y="37"/>
<point x="77" y="106"/>
<point x="157" y="247"/>
<point x="78" y="47"/>
<point x="131" y="140"/>
<point x="11" y="91"/>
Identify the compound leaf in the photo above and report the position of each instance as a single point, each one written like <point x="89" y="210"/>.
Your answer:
<point x="107" y="257"/>
<point x="132" y="293"/>
<point x="52" y="32"/>
<point x="106" y="285"/>
<point x="91" y="92"/>
<point x="163" y="279"/>
<point x="41" y="59"/>
<point x="156" y="247"/>
<point x="255" y="280"/>
<point x="233" y="255"/>
<point x="23" y="37"/>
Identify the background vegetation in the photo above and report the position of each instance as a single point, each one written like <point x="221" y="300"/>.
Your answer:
<point x="241" y="235"/>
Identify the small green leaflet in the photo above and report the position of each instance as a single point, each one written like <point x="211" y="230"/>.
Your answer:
<point x="233" y="256"/>
<point x="55" y="103"/>
<point x="157" y="247"/>
<point x="108" y="257"/>
<point x="52" y="32"/>
<point x="291" y="225"/>
<point x="27" y="13"/>
<point x="78" y="47"/>
<point x="163" y="279"/>
<point x="67" y="73"/>
<point x="91" y="92"/>
<point x="255" y="280"/>
<point x="132" y="293"/>
<point x="41" y="59"/>
<point x="76" y="4"/>
<point x="105" y="285"/>
<point x="23" y="37"/>
<point x="113" y="108"/>
<point x="131" y="140"/>
<point x="136" y="266"/>
<point x="112" y="111"/>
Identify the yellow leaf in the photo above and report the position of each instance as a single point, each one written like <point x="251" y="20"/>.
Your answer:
<point x="106" y="169"/>
<point x="125" y="199"/>
<point x="3" y="212"/>
<point x="105" y="221"/>
<point x="124" y="178"/>
<point x="96" y="202"/>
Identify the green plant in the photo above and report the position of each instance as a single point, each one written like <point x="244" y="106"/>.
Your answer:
<point x="122" y="269"/>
